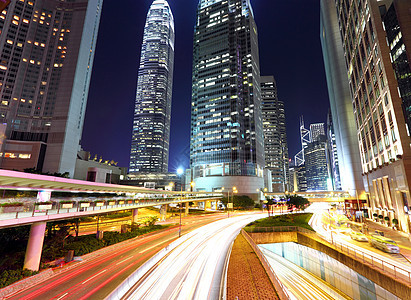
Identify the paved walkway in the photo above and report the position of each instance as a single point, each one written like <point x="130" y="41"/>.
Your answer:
<point x="246" y="277"/>
<point x="402" y="238"/>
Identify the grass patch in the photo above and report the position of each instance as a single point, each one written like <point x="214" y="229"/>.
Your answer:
<point x="300" y="220"/>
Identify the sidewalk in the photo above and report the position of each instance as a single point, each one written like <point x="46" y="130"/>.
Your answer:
<point x="400" y="237"/>
<point x="246" y="277"/>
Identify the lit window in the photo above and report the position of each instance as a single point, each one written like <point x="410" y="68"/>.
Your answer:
<point x="9" y="155"/>
<point x="25" y="156"/>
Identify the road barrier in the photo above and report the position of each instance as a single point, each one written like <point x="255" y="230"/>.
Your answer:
<point x="397" y="272"/>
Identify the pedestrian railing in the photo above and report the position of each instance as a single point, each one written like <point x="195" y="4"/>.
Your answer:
<point x="398" y="272"/>
<point x="280" y="288"/>
<point x="32" y="209"/>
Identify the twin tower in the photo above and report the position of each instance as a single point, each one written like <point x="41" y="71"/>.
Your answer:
<point x="227" y="142"/>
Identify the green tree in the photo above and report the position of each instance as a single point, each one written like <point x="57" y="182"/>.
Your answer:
<point x="298" y="201"/>
<point x="239" y="201"/>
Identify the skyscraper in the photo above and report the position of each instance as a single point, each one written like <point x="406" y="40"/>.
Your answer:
<point x="332" y="154"/>
<point x="152" y="113"/>
<point x="227" y="147"/>
<point x="275" y="136"/>
<point x="316" y="130"/>
<point x="46" y="57"/>
<point x="316" y="165"/>
<point x="380" y="105"/>
<point x="340" y="100"/>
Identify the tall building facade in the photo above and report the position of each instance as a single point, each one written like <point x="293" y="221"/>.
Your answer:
<point x="152" y="112"/>
<point x="340" y="101"/>
<point x="227" y="147"/>
<point x="316" y="130"/>
<point x="316" y="165"/>
<point x="275" y="135"/>
<point x="332" y="153"/>
<point x="378" y="102"/>
<point x="46" y="58"/>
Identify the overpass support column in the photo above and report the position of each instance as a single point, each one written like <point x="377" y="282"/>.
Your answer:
<point x="163" y="212"/>
<point x="207" y="204"/>
<point x="187" y="207"/>
<point x="35" y="246"/>
<point x="134" y="218"/>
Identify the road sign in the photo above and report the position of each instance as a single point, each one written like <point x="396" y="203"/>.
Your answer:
<point x="229" y="205"/>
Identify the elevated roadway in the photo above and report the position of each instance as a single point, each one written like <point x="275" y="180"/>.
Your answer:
<point x="38" y="214"/>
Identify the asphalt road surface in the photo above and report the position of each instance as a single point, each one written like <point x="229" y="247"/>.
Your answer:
<point x="98" y="276"/>
<point x="194" y="269"/>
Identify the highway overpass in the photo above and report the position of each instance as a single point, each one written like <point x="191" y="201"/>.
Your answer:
<point x="37" y="213"/>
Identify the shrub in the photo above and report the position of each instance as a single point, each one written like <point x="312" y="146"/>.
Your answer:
<point x="9" y="204"/>
<point x="380" y="216"/>
<point x="395" y="221"/>
<point x="386" y="219"/>
<point x="375" y="215"/>
<point x="8" y="277"/>
<point x="66" y="202"/>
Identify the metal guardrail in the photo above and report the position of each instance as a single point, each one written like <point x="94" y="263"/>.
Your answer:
<point x="397" y="272"/>
<point x="280" y="288"/>
<point x="378" y="263"/>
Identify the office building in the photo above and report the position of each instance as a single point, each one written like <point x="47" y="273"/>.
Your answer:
<point x="297" y="178"/>
<point x="316" y="130"/>
<point x="334" y="167"/>
<point x="340" y="101"/>
<point x="46" y="58"/>
<point x="152" y="112"/>
<point x="305" y="137"/>
<point x="227" y="147"/>
<point x="360" y="32"/>
<point x="316" y="165"/>
<point x="275" y="136"/>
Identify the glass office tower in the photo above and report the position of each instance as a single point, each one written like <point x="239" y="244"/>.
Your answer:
<point x="46" y="58"/>
<point x="275" y="135"/>
<point x="227" y="147"/>
<point x="152" y="113"/>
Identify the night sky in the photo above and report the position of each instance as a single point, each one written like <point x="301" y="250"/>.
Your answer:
<point x="289" y="49"/>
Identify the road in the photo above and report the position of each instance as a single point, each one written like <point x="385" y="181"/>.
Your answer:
<point x="395" y="264"/>
<point x="193" y="270"/>
<point x="301" y="284"/>
<point x="97" y="276"/>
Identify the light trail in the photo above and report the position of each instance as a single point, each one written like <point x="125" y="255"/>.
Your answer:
<point x="300" y="283"/>
<point x="363" y="251"/>
<point x="193" y="270"/>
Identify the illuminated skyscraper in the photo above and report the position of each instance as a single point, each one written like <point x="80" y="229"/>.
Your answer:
<point x="227" y="147"/>
<point x="152" y="113"/>
<point x="316" y="130"/>
<point x="275" y="135"/>
<point x="46" y="58"/>
<point x="316" y="165"/>
<point x="366" y="46"/>
<point x="332" y="154"/>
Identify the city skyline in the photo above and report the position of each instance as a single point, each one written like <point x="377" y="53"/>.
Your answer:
<point x="115" y="145"/>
